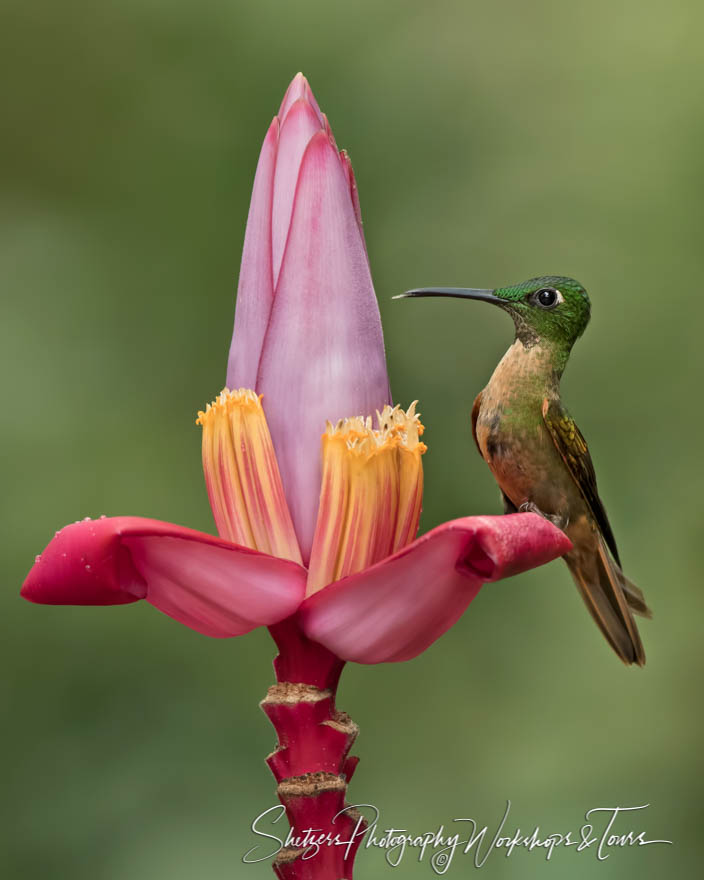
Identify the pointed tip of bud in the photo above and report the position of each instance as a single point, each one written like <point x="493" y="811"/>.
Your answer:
<point x="299" y="88"/>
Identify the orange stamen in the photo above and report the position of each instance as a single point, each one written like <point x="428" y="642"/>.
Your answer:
<point x="371" y="493"/>
<point x="242" y="475"/>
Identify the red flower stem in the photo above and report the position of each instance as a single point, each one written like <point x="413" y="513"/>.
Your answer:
<point x="311" y="762"/>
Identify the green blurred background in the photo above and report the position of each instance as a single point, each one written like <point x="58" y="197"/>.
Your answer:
<point x="491" y="142"/>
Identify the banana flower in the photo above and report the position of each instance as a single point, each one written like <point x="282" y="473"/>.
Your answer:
<point x="315" y="479"/>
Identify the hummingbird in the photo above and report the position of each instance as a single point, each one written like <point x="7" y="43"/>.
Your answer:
<point x="538" y="455"/>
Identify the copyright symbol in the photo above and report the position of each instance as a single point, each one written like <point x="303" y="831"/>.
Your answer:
<point x="440" y="860"/>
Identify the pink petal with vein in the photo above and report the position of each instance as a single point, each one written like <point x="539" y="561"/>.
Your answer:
<point x="300" y="125"/>
<point x="328" y="130"/>
<point x="354" y="194"/>
<point x="323" y="356"/>
<point x="210" y="585"/>
<point x="255" y="291"/>
<point x="396" y="609"/>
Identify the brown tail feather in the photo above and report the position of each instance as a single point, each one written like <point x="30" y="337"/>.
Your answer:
<point x="634" y="597"/>
<point x="608" y="595"/>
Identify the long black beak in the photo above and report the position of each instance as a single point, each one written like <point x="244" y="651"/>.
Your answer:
<point x="460" y="292"/>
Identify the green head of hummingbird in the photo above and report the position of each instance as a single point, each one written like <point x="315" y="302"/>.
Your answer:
<point x="551" y="310"/>
<point x="537" y="453"/>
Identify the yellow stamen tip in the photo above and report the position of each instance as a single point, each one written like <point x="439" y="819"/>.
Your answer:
<point x="395" y="427"/>
<point x="226" y="400"/>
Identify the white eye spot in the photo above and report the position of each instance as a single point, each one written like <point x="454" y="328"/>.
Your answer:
<point x="547" y="298"/>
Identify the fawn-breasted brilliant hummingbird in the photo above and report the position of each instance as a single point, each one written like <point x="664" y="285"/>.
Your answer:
<point x="537" y="453"/>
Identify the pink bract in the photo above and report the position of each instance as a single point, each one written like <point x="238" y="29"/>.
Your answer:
<point x="307" y="326"/>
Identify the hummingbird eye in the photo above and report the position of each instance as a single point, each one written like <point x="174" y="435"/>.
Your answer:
<point x="547" y="298"/>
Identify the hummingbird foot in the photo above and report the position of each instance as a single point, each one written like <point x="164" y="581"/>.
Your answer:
<point x="561" y="520"/>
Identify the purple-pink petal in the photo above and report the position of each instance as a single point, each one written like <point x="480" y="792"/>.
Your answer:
<point x="210" y="585"/>
<point x="323" y="356"/>
<point x="255" y="291"/>
<point x="396" y="609"/>
<point x="354" y="193"/>
<point x="297" y="129"/>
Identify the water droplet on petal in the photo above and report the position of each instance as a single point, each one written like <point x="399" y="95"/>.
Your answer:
<point x="86" y="519"/>
<point x="87" y="567"/>
<point x="102" y="516"/>
<point x="37" y="558"/>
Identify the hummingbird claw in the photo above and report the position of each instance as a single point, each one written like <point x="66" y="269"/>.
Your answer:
<point x="561" y="520"/>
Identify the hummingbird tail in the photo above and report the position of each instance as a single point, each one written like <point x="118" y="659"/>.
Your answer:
<point x="609" y="596"/>
<point x="634" y="597"/>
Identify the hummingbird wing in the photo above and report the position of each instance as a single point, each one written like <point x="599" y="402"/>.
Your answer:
<point x="609" y="595"/>
<point x="475" y="415"/>
<point x="573" y="449"/>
